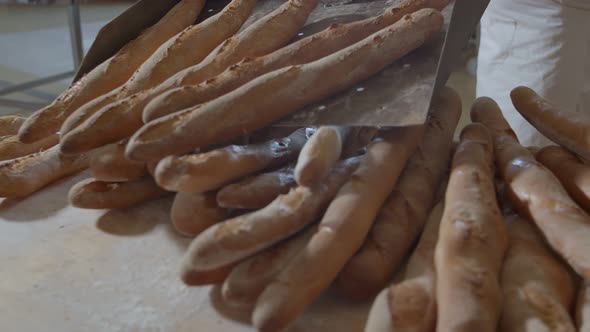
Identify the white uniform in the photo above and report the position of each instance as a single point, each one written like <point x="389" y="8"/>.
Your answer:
<point x="542" y="44"/>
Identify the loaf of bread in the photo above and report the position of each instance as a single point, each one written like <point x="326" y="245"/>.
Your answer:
<point x="192" y="213"/>
<point x="403" y="214"/>
<point x="209" y="277"/>
<point x="411" y="304"/>
<point x="564" y="127"/>
<point x="173" y="56"/>
<point x="10" y="124"/>
<point x="11" y="147"/>
<point x="25" y="175"/>
<point x="573" y="174"/>
<point x="212" y="170"/>
<point x="95" y="194"/>
<point x="237" y="238"/>
<point x="108" y="163"/>
<point x="472" y="240"/>
<point x="305" y="50"/>
<point x="535" y="192"/>
<point x="537" y="286"/>
<point x="122" y="118"/>
<point x="111" y="73"/>
<point x="271" y="96"/>
<point x="341" y="232"/>
<point x="257" y="191"/>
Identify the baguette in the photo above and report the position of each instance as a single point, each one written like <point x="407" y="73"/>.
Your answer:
<point x="240" y="237"/>
<point x="257" y="191"/>
<point x="536" y="193"/>
<point x="192" y="213"/>
<point x="318" y="154"/>
<point x="308" y="49"/>
<point x="272" y="96"/>
<point x="108" y="163"/>
<point x="10" y="124"/>
<point x="111" y="73"/>
<point x="571" y="172"/>
<point x="214" y="169"/>
<point x="95" y="194"/>
<point x="342" y="231"/>
<point x="472" y="240"/>
<point x="566" y="128"/>
<point x="411" y="304"/>
<point x="209" y="277"/>
<point x="538" y="288"/>
<point x="249" y="278"/>
<point x="25" y="175"/>
<point x="123" y="118"/>
<point x="583" y="308"/>
<point x="11" y="147"/>
<point x="402" y="217"/>
<point x="186" y="49"/>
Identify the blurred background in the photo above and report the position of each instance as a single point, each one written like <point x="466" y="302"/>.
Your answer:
<point x="36" y="43"/>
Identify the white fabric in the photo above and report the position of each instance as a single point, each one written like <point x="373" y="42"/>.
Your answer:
<point x="542" y="44"/>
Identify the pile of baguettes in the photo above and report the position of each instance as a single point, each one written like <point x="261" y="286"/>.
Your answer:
<point x="279" y="215"/>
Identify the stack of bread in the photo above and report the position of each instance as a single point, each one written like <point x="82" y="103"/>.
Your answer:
<point x="485" y="233"/>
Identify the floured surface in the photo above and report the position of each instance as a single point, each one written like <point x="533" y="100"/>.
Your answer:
<point x="68" y="269"/>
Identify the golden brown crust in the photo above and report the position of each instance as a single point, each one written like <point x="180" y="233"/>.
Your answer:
<point x="111" y="73"/>
<point x="403" y="214"/>
<point x="537" y="286"/>
<point x="342" y="231"/>
<point x="108" y="163"/>
<point x="10" y="124"/>
<point x="573" y="174"/>
<point x="212" y="170"/>
<point x="95" y="194"/>
<point x="192" y="213"/>
<point x="249" y="278"/>
<point x="25" y="175"/>
<point x="566" y="128"/>
<point x="305" y="50"/>
<point x="237" y="238"/>
<point x="536" y="193"/>
<point x="472" y="240"/>
<point x="271" y="96"/>
<point x="257" y="191"/>
<point x="11" y="147"/>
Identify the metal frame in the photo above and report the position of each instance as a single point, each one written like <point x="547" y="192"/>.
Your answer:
<point x="77" y="55"/>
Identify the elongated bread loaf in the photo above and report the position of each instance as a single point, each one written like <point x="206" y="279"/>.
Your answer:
<point x="571" y="172"/>
<point x="410" y="306"/>
<point x="25" y="175"/>
<point x="537" y="286"/>
<point x="111" y="73"/>
<point x="564" y="127"/>
<point x="249" y="278"/>
<point x="121" y="119"/>
<point x="95" y="194"/>
<point x="186" y="49"/>
<point x="192" y="213"/>
<point x="402" y="217"/>
<point x="108" y="163"/>
<point x="308" y="49"/>
<point x="10" y="124"/>
<point x="209" y="277"/>
<point x="257" y="191"/>
<point x="271" y="96"/>
<point x="472" y="240"/>
<point x="240" y="237"/>
<point x="536" y="193"/>
<point x="342" y="231"/>
<point x="11" y="147"/>
<point x="583" y="308"/>
<point x="212" y="170"/>
<point x="319" y="154"/>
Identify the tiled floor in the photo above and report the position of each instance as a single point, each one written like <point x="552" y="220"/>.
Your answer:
<point x="34" y="42"/>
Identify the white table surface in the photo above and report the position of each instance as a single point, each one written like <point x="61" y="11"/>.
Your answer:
<point x="68" y="269"/>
